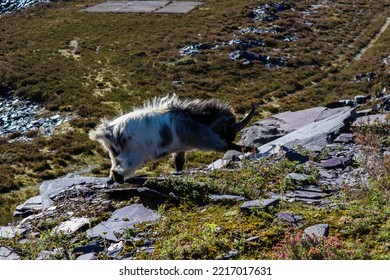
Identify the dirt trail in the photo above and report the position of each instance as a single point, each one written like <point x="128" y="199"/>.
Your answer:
<point x="383" y="29"/>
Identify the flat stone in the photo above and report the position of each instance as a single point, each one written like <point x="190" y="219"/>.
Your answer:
<point x="109" y="6"/>
<point x="225" y="197"/>
<point x="297" y="177"/>
<point x="72" y="225"/>
<point x="121" y="220"/>
<point x="319" y="230"/>
<point x="310" y="188"/>
<point x="344" y="138"/>
<point x="115" y="249"/>
<point x="291" y="218"/>
<point x="317" y="133"/>
<point x="53" y="187"/>
<point x="218" y="164"/>
<point x="336" y="162"/>
<point x="48" y="255"/>
<point x="371" y="119"/>
<point x="179" y="7"/>
<point x="87" y="257"/>
<point x="306" y="194"/>
<point x="251" y="205"/>
<point x="278" y="125"/>
<point x="326" y="175"/>
<point x="144" y="6"/>
<point x="8" y="254"/>
<point x="312" y="201"/>
<point x="8" y="232"/>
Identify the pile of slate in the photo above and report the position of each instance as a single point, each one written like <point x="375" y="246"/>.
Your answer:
<point x="7" y="6"/>
<point x="265" y="13"/>
<point x="268" y="12"/>
<point x="19" y="116"/>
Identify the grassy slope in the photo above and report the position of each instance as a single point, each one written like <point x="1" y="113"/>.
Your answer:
<point x="138" y="58"/>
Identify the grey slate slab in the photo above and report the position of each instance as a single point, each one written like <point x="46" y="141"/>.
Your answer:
<point x="226" y="197"/>
<point x="313" y="134"/>
<point x="121" y="220"/>
<point x="72" y="225"/>
<point x="259" y="204"/>
<point x="8" y="232"/>
<point x="144" y="6"/>
<point x="178" y="7"/>
<point x="53" y="187"/>
<point x="8" y="254"/>
<point x="371" y="119"/>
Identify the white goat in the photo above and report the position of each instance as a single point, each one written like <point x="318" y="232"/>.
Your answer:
<point x="164" y="126"/>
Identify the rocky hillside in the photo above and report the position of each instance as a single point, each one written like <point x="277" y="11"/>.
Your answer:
<point x="12" y="5"/>
<point x="316" y="187"/>
<point x="88" y="218"/>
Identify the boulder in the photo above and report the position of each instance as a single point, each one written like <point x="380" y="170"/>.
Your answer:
<point x="319" y="231"/>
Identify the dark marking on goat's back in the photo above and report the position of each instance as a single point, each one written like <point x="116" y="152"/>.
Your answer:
<point x="166" y="137"/>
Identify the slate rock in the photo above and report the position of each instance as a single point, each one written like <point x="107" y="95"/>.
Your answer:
<point x="121" y="220"/>
<point x="8" y="232"/>
<point x="336" y="162"/>
<point x="264" y="204"/>
<point x="344" y="138"/>
<point x="329" y="122"/>
<point x="278" y="125"/>
<point x="319" y="230"/>
<point x="371" y="119"/>
<point x="87" y="257"/>
<point x="218" y="164"/>
<point x="232" y="155"/>
<point x="8" y="254"/>
<point x="297" y="177"/>
<point x="53" y="187"/>
<point x="291" y="218"/>
<point x="225" y="197"/>
<point x="72" y="225"/>
<point x="115" y="249"/>
<point x="306" y="194"/>
<point x="31" y="205"/>
<point x="48" y="255"/>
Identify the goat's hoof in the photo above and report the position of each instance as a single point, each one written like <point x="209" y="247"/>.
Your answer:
<point x="118" y="178"/>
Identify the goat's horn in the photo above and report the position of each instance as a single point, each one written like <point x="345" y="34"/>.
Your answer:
<point x="240" y="125"/>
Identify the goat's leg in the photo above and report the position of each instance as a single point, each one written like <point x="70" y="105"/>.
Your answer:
<point x="179" y="159"/>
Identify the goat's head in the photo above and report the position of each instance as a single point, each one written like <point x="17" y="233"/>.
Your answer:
<point x="227" y="127"/>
